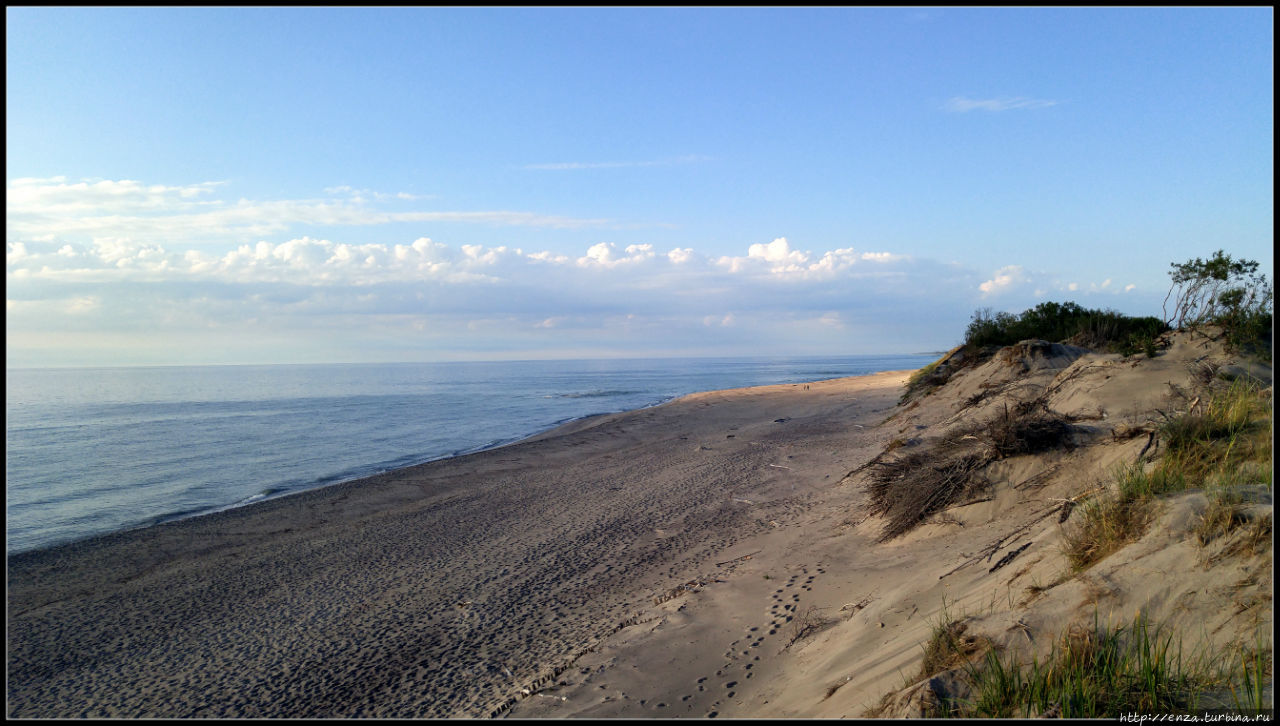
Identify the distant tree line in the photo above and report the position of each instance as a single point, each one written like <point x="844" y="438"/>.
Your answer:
<point x="1066" y="322"/>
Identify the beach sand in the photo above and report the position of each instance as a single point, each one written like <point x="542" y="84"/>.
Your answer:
<point x="493" y="583"/>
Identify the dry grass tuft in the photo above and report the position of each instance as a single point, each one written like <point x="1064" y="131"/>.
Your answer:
<point x="950" y="646"/>
<point x="1221" y="444"/>
<point x="1223" y="515"/>
<point x="1107" y="523"/>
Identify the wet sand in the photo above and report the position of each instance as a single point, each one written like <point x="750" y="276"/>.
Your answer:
<point x="445" y="589"/>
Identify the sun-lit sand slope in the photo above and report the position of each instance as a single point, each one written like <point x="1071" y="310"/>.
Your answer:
<point x="452" y="588"/>
<point x="818" y="618"/>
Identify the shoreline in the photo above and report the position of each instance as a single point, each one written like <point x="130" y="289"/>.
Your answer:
<point x="438" y="589"/>
<point x="178" y="516"/>
<point x="259" y="498"/>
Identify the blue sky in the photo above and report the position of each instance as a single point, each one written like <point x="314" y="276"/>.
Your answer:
<point x="340" y="184"/>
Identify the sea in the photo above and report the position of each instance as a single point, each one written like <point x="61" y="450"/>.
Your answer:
<point x="90" y="451"/>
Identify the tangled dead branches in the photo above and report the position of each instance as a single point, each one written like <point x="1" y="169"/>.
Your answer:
<point x="912" y="487"/>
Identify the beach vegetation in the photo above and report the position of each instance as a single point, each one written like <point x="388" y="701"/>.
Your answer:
<point x="924" y="481"/>
<point x="1225" y="292"/>
<point x="1221" y="443"/>
<point x="920" y="381"/>
<point x="806" y="623"/>
<point x="1067" y="322"/>
<point x="1228" y="511"/>
<point x="1215" y="440"/>
<point x="911" y="488"/>
<point x="1107" y="523"/>
<point x="950" y="645"/>
<point x="1102" y="672"/>
<point x="925" y="380"/>
<point x="1027" y="428"/>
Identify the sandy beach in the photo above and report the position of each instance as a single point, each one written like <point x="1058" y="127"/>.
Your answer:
<point x="459" y="588"/>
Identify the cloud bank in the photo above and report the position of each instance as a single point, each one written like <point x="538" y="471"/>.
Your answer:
<point x="117" y="272"/>
<point x="39" y="208"/>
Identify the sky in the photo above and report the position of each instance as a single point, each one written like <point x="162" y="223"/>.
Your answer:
<point x="327" y="185"/>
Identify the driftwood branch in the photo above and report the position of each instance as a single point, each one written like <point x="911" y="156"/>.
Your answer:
<point x="1151" y="438"/>
<point x="747" y="556"/>
<point x="1008" y="557"/>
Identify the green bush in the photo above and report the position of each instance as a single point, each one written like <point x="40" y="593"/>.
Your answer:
<point x="1226" y="292"/>
<point x="1062" y="322"/>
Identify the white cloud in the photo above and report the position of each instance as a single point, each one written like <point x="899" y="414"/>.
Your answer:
<point x="1005" y="278"/>
<point x="882" y="257"/>
<point x="548" y="257"/>
<point x="778" y="252"/>
<point x="15" y="253"/>
<point x="960" y="104"/>
<point x="55" y="208"/>
<point x="575" y="165"/>
<point x="84" y="304"/>
<point x="680" y="255"/>
<point x="775" y="257"/>
<point x="778" y="260"/>
<point x="605" y="254"/>
<point x="55" y="196"/>
<point x="362" y="195"/>
<point x="831" y="320"/>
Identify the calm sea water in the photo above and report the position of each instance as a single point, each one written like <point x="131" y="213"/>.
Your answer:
<point x="96" y="450"/>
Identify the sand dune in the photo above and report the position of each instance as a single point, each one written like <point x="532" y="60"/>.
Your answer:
<point x="826" y="621"/>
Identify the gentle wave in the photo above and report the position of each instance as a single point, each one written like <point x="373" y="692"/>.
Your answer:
<point x="594" y="394"/>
